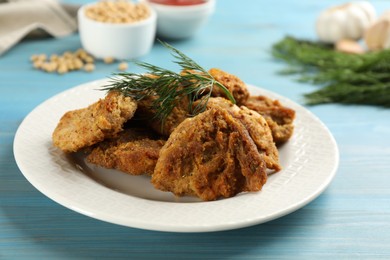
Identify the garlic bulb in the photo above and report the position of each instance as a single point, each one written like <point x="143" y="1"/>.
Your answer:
<point x="377" y="36"/>
<point x="347" y="21"/>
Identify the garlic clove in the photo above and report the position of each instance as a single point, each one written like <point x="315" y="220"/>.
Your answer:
<point x="349" y="46"/>
<point x="382" y="34"/>
<point x="376" y="36"/>
<point x="386" y="41"/>
<point x="385" y="15"/>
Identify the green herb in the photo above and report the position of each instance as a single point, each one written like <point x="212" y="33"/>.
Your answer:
<point x="345" y="78"/>
<point x="168" y="87"/>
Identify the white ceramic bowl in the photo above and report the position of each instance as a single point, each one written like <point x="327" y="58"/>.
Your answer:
<point x="178" y="22"/>
<point x="119" y="41"/>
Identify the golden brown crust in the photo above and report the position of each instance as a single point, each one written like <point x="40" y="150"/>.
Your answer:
<point x="279" y="118"/>
<point x="210" y="155"/>
<point x="257" y="127"/>
<point x="235" y="85"/>
<point x="84" y="127"/>
<point x="133" y="152"/>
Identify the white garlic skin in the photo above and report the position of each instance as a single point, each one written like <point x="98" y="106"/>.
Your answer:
<point x="347" y="21"/>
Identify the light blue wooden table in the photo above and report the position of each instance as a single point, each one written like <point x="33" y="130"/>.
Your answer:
<point x="350" y="220"/>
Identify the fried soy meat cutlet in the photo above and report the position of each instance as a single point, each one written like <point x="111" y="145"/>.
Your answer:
<point x="210" y="156"/>
<point x="257" y="127"/>
<point x="84" y="127"/>
<point x="279" y="118"/>
<point x="133" y="151"/>
<point x="235" y="85"/>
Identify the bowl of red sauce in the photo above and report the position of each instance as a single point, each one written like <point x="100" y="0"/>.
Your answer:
<point x="180" y="19"/>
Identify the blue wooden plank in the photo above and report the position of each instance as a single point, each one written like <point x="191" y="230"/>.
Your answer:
<point x="351" y="219"/>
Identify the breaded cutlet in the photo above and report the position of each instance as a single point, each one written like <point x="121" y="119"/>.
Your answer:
<point x="279" y="118"/>
<point x="84" y="127"/>
<point x="211" y="156"/>
<point x="133" y="151"/>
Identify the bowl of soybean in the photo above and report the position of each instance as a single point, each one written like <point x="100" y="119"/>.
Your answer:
<point x="117" y="29"/>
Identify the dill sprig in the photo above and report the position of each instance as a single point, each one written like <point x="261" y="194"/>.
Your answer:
<point x="344" y="78"/>
<point x="167" y="87"/>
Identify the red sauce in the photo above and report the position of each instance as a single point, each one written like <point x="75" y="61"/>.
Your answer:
<point x="178" y="2"/>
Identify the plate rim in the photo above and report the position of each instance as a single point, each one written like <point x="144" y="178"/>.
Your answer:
<point x="172" y="227"/>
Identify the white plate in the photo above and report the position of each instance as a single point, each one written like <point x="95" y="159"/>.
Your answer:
<point x="309" y="160"/>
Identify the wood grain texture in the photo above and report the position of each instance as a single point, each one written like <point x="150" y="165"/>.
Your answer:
<point x="350" y="220"/>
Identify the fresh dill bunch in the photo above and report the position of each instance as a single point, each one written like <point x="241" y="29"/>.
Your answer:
<point x="166" y="87"/>
<point x="377" y="94"/>
<point x="345" y="78"/>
